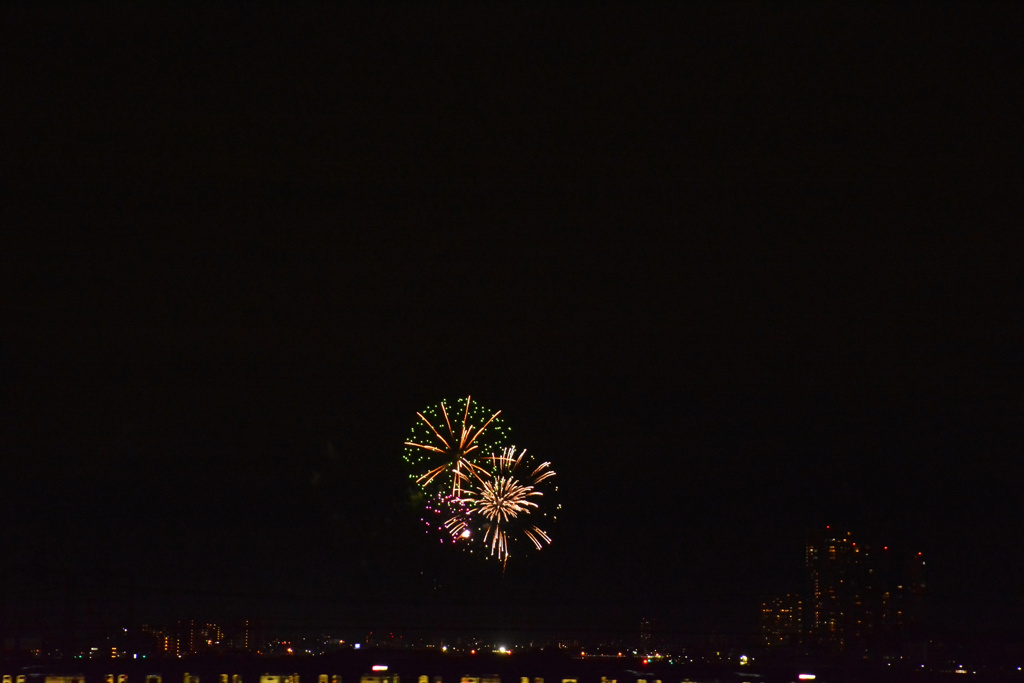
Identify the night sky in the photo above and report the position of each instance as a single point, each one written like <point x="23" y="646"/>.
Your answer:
<point x="737" y="273"/>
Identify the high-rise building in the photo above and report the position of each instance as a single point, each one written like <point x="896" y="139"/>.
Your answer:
<point x="194" y="637"/>
<point x="782" y="620"/>
<point x="858" y="595"/>
<point x="245" y="639"/>
<point x="163" y="641"/>
<point x="831" y="559"/>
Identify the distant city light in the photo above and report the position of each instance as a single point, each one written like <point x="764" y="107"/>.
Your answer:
<point x="379" y="667"/>
<point x="806" y="677"/>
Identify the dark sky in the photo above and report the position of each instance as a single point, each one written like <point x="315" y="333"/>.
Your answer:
<point x="738" y="273"/>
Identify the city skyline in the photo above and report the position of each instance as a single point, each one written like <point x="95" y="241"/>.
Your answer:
<point x="897" y="613"/>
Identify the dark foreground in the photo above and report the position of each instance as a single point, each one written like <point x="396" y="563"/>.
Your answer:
<point x="367" y="666"/>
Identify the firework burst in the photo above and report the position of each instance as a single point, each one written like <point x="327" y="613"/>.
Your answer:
<point x="446" y="442"/>
<point x="505" y="502"/>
